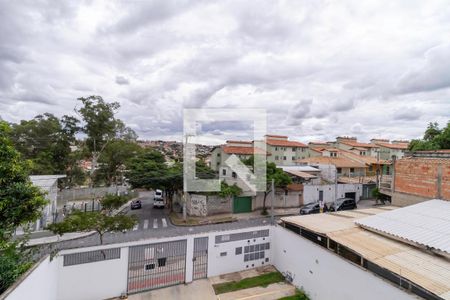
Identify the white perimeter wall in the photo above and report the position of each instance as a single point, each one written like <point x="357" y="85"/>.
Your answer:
<point x="218" y="265"/>
<point x="311" y="192"/>
<point x="96" y="280"/>
<point x="324" y="275"/>
<point x="40" y="283"/>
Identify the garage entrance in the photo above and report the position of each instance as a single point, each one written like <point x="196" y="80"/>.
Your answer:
<point x="351" y="195"/>
<point x="156" y="265"/>
<point x="242" y="204"/>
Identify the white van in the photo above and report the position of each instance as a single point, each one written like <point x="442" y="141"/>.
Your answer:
<point x="158" y="200"/>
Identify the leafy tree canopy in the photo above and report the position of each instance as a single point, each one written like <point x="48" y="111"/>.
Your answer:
<point x="434" y="138"/>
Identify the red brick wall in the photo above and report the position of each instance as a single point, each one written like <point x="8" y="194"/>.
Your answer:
<point x="419" y="176"/>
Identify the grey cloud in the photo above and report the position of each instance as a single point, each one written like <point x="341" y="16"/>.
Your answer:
<point x="407" y="114"/>
<point x="433" y="74"/>
<point x="122" y="80"/>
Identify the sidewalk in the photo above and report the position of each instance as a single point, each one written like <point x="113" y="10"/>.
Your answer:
<point x="177" y="218"/>
<point x="51" y="238"/>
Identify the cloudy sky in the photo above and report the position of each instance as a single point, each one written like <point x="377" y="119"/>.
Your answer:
<point x="319" y="68"/>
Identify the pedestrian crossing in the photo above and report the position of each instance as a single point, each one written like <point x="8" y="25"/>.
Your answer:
<point x="145" y="225"/>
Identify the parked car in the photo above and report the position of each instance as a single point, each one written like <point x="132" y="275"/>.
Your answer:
<point x="312" y="208"/>
<point x="158" y="202"/>
<point x="158" y="193"/>
<point x="343" y="204"/>
<point x="135" y="204"/>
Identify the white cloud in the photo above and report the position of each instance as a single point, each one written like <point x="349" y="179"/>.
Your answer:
<point x="320" y="68"/>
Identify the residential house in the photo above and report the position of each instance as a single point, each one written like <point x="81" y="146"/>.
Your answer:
<point x="49" y="185"/>
<point x="283" y="151"/>
<point x="352" y="144"/>
<point x="388" y="150"/>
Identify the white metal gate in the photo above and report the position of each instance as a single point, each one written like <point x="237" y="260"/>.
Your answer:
<point x="200" y="258"/>
<point x="156" y="265"/>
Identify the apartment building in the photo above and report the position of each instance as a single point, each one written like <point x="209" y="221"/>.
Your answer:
<point x="388" y="150"/>
<point x="283" y="151"/>
<point x="352" y="144"/>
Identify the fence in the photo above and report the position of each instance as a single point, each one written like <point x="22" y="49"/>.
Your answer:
<point x="79" y="194"/>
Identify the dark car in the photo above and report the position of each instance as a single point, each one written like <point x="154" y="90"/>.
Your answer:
<point x="135" y="204"/>
<point x="312" y="208"/>
<point x="343" y="204"/>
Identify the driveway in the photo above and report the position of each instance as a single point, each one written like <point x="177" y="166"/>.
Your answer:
<point x="199" y="289"/>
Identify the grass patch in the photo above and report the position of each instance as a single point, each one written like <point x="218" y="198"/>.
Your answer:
<point x="261" y="280"/>
<point x="299" y="295"/>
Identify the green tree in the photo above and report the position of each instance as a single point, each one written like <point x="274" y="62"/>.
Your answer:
<point x="80" y="221"/>
<point x="147" y="170"/>
<point x="100" y="222"/>
<point x="45" y="141"/>
<point x="102" y="128"/>
<point x="229" y="191"/>
<point x="433" y="139"/>
<point x="113" y="159"/>
<point x="281" y="179"/>
<point x="20" y="203"/>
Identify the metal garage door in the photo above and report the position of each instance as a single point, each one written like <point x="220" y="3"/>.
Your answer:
<point x="242" y="204"/>
<point x="156" y="265"/>
<point x="200" y="258"/>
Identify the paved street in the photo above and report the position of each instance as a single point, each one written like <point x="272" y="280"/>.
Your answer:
<point x="149" y="218"/>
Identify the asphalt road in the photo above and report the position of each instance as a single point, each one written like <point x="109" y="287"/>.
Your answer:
<point x="149" y="218"/>
<point x="153" y="223"/>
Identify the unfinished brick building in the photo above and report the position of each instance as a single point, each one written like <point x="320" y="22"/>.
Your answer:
<point x="421" y="176"/>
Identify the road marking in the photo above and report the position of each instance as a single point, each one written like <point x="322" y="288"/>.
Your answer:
<point x="145" y="223"/>
<point x="135" y="227"/>
<point x="164" y="221"/>
<point x="155" y="223"/>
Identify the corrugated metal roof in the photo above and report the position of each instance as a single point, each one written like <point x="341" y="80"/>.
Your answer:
<point x="425" y="224"/>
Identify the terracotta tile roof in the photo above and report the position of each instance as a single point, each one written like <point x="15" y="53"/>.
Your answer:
<point x="239" y="142"/>
<point x="358" y="144"/>
<point x="243" y="150"/>
<point x="318" y="149"/>
<point x="369" y="160"/>
<point x="339" y="162"/>
<point x="402" y="146"/>
<point x="359" y="179"/>
<point x="276" y="136"/>
<point x="282" y="143"/>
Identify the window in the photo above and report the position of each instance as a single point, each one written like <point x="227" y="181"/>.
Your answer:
<point x="162" y="261"/>
<point x="255" y="252"/>
<point x="218" y="154"/>
<point x="294" y="149"/>
<point x="339" y="170"/>
<point x="234" y="175"/>
<point x="293" y="157"/>
<point x="223" y="254"/>
<point x="224" y="172"/>
<point x="352" y="170"/>
<point x="284" y="157"/>
<point x="276" y="148"/>
<point x="276" y="157"/>
<point x="238" y="251"/>
<point x="225" y="238"/>
<point x="149" y="266"/>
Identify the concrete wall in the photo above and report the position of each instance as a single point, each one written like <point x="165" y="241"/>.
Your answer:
<point x="218" y="205"/>
<point x="421" y="178"/>
<point x="39" y="283"/>
<point x="87" y="193"/>
<point x="292" y="199"/>
<point x="231" y="262"/>
<point x="324" y="275"/>
<point x="96" y="280"/>
<point x="311" y="192"/>
<point x="196" y="205"/>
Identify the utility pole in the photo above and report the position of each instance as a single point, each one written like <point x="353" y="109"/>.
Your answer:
<point x="272" y="217"/>
<point x="185" y="193"/>
<point x="335" y="187"/>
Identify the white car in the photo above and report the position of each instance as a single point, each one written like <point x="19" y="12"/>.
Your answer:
<point x="158" y="200"/>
